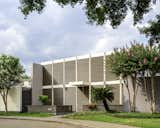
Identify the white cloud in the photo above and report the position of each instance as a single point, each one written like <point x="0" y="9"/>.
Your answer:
<point x="124" y="34"/>
<point x="59" y="32"/>
<point x="11" y="40"/>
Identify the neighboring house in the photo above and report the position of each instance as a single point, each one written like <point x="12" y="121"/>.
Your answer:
<point x="68" y="81"/>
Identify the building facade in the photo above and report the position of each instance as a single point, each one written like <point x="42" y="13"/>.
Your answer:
<point x="68" y="81"/>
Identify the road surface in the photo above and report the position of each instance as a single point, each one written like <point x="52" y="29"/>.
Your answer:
<point x="11" y="123"/>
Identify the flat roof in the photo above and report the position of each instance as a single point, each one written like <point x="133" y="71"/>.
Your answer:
<point x="75" y="57"/>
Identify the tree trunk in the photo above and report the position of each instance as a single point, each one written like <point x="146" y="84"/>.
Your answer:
<point x="153" y="94"/>
<point x="105" y="105"/>
<point x="6" y="108"/>
<point x="129" y="98"/>
<point x="5" y="98"/>
<point x="134" y="92"/>
<point x="129" y="94"/>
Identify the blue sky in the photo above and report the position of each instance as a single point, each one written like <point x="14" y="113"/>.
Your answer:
<point x="60" y="32"/>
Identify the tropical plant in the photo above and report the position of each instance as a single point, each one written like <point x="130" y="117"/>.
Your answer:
<point x="104" y="95"/>
<point x="11" y="72"/>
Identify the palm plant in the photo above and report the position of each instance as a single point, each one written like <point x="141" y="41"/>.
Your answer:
<point x="104" y="95"/>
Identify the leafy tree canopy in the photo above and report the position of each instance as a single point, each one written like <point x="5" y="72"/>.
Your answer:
<point x="98" y="11"/>
<point x="10" y="71"/>
<point x="135" y="59"/>
<point x="152" y="31"/>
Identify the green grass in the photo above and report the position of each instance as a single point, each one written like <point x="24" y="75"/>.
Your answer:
<point x="143" y="120"/>
<point x="26" y="114"/>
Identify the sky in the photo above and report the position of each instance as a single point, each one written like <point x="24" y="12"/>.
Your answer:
<point x="60" y="32"/>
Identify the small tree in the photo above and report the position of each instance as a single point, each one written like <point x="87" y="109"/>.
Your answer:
<point x="11" y="72"/>
<point x="124" y="62"/>
<point x="151" y="65"/>
<point x="103" y="94"/>
<point x="117" y="63"/>
<point x="140" y="63"/>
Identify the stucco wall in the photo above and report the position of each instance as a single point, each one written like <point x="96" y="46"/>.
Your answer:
<point x="58" y="96"/>
<point x="97" y="69"/>
<point x="82" y="97"/>
<point x="14" y="99"/>
<point x="47" y="74"/>
<point x="70" y="97"/>
<point x="37" y="79"/>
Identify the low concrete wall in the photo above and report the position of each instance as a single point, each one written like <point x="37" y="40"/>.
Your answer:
<point x="50" y="109"/>
<point x="101" y="108"/>
<point x="14" y="100"/>
<point x="41" y="108"/>
<point x="63" y="109"/>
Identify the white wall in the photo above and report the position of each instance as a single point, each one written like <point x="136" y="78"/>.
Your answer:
<point x="14" y="99"/>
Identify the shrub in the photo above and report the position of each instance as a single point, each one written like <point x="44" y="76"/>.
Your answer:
<point x="43" y="99"/>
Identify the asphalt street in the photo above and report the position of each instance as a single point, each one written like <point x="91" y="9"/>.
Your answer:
<point x="11" y="123"/>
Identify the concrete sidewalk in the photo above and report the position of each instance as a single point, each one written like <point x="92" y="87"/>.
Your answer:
<point x="81" y="123"/>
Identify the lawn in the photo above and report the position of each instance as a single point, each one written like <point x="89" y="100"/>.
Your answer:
<point x="26" y="114"/>
<point x="143" y="120"/>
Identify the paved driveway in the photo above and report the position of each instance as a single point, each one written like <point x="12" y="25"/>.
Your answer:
<point x="8" y="123"/>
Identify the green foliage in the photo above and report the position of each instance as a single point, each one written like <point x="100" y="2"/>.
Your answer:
<point x="134" y="59"/>
<point x="11" y="72"/>
<point x="142" y="120"/>
<point x="26" y="77"/>
<point x="152" y="31"/>
<point x="28" y="6"/>
<point x="100" y="94"/>
<point x="98" y="11"/>
<point x="43" y="99"/>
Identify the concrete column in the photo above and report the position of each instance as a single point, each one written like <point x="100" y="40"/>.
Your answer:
<point x="90" y="97"/>
<point x="104" y="69"/>
<point x="64" y="97"/>
<point x="52" y="86"/>
<point x="76" y="69"/>
<point x="76" y="64"/>
<point x="37" y="82"/>
<point x="76" y="99"/>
